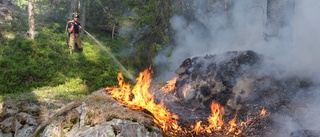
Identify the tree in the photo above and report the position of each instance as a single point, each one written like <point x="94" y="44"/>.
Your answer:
<point x="74" y="6"/>
<point x="31" y="32"/>
<point x="191" y="10"/>
<point x="151" y="30"/>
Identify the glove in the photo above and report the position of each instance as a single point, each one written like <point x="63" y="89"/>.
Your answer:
<point x="72" y="22"/>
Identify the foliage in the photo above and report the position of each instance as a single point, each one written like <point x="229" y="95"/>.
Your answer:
<point x="108" y="12"/>
<point x="45" y="63"/>
<point x="152" y="31"/>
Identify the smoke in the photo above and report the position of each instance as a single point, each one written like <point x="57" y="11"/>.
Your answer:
<point x="209" y="34"/>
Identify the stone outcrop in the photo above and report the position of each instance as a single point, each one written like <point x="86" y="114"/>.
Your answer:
<point x="18" y="118"/>
<point x="98" y="115"/>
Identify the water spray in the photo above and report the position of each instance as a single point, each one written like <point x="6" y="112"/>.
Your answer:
<point x="111" y="55"/>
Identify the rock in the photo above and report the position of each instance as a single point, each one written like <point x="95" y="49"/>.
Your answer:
<point x="26" y="118"/>
<point x="8" y="125"/>
<point x="118" y="128"/>
<point x="6" y="134"/>
<point x="97" y="115"/>
<point x="11" y="111"/>
<point x="115" y="127"/>
<point x="103" y="130"/>
<point x="30" y="107"/>
<point x="25" y="131"/>
<point x="52" y="130"/>
<point x="83" y="114"/>
<point x="10" y="108"/>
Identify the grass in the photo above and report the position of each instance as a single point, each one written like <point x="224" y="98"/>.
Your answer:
<point x="44" y="66"/>
<point x="71" y="90"/>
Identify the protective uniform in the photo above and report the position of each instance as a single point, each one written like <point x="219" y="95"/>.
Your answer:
<point x="74" y="35"/>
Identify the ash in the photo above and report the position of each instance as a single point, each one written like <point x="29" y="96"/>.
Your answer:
<point x="243" y="82"/>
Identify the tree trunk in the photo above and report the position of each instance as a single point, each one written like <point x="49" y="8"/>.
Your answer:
<point x="31" y="32"/>
<point x="113" y="28"/>
<point x="75" y="5"/>
<point x="279" y="15"/>
<point x="40" y="6"/>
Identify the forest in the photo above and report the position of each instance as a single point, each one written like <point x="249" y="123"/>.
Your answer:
<point x="131" y="36"/>
<point x="44" y="53"/>
<point x="134" y="31"/>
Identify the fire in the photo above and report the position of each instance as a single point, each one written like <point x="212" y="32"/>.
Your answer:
<point x="233" y="126"/>
<point x="216" y="121"/>
<point x="139" y="98"/>
<point x="263" y="112"/>
<point x="170" y="85"/>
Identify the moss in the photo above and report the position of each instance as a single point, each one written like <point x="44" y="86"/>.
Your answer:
<point x="37" y="134"/>
<point x="132" y="119"/>
<point x="110" y="117"/>
<point x="148" y="126"/>
<point x="74" y="120"/>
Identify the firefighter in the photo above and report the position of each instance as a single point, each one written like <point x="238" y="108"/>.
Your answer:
<point x="74" y="29"/>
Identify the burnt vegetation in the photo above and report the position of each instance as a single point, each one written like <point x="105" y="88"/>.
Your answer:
<point x="243" y="82"/>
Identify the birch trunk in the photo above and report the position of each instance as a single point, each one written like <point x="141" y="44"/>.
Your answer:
<point x="75" y="5"/>
<point x="31" y="32"/>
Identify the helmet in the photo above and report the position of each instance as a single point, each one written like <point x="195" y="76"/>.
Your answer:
<point x="75" y="15"/>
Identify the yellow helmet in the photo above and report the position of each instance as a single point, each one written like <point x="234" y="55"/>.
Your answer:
<point x="75" y="15"/>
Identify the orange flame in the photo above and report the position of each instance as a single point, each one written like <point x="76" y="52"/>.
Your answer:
<point x="170" y="85"/>
<point x="139" y="98"/>
<point x="216" y="121"/>
<point x="233" y="126"/>
<point x="263" y="112"/>
<point x="198" y="128"/>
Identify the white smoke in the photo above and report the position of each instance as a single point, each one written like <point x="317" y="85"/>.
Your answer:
<point x="249" y="17"/>
<point x="299" y="56"/>
<point x="210" y="36"/>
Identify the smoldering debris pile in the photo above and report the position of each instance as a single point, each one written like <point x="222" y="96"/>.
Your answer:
<point x="243" y="82"/>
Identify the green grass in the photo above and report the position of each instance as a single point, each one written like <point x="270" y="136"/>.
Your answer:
<point x="43" y="65"/>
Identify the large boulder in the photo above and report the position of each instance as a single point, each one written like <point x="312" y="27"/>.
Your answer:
<point x="96" y="115"/>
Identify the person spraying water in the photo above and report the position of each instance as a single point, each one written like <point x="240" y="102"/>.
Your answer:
<point x="73" y="28"/>
<point x="74" y="42"/>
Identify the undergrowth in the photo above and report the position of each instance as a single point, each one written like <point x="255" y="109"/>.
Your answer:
<point x="44" y="64"/>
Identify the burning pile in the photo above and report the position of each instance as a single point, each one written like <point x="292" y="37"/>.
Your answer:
<point x="231" y="94"/>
